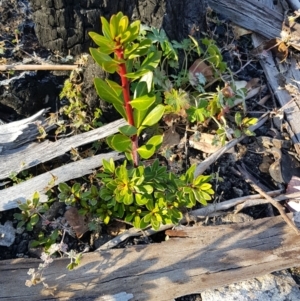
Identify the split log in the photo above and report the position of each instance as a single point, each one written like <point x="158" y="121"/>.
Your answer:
<point x="36" y="153"/>
<point x="208" y="257"/>
<point x="18" y="133"/>
<point x="260" y="16"/>
<point x="10" y="197"/>
<point x="282" y="77"/>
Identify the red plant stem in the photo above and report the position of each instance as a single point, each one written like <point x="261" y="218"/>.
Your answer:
<point x="128" y="108"/>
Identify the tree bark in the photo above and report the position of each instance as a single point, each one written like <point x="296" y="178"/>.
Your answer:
<point x="63" y="25"/>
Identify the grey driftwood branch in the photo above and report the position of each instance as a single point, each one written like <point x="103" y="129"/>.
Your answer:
<point x="38" y="67"/>
<point x="10" y="197"/>
<point x="36" y="153"/>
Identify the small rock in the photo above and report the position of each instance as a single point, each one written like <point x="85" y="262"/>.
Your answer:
<point x="7" y="234"/>
<point x="276" y="286"/>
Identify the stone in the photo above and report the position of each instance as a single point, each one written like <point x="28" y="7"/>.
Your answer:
<point x="277" y="286"/>
<point x="7" y="234"/>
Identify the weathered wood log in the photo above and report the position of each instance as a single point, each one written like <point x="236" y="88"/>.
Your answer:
<point x="18" y="133"/>
<point x="280" y="75"/>
<point x="208" y="257"/>
<point x="23" y="191"/>
<point x="260" y="16"/>
<point x="36" y="153"/>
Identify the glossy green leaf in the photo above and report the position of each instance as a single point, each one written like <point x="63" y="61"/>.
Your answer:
<point x="128" y="130"/>
<point x="130" y="49"/>
<point x="146" y="151"/>
<point x="34" y="219"/>
<point x="155" y="224"/>
<point x="152" y="60"/>
<point x="152" y="117"/>
<point x="115" y="87"/>
<point x="35" y="199"/>
<point x="120" y="108"/>
<point x="104" y="60"/>
<point x="141" y="50"/>
<point x="149" y="64"/>
<point x="109" y="166"/>
<point x="136" y="222"/>
<point x="106" y="45"/>
<point x="148" y="79"/>
<point x="120" y="142"/>
<point x="106" y="29"/>
<point x="106" y="92"/>
<point x="143" y="102"/>
<point x="114" y="25"/>
<point x="64" y="188"/>
<point x="238" y="118"/>
<point x="140" y="89"/>
<point x="123" y="24"/>
<point x="140" y="199"/>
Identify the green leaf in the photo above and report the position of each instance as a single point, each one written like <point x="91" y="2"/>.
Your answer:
<point x="120" y="143"/>
<point x="140" y="89"/>
<point x="152" y="118"/>
<point x="123" y="24"/>
<point x="106" y="45"/>
<point x="115" y="87"/>
<point x="106" y="92"/>
<point x="128" y="130"/>
<point x="148" y="79"/>
<point x="146" y="151"/>
<point x="104" y="60"/>
<point x="106" y="219"/>
<point x="155" y="224"/>
<point x="34" y="219"/>
<point x="114" y="24"/>
<point x="64" y="188"/>
<point x="140" y="199"/>
<point x="109" y="166"/>
<point x="18" y="216"/>
<point x="152" y="60"/>
<point x="141" y="50"/>
<point x="149" y="64"/>
<point x="23" y="206"/>
<point x="35" y="199"/>
<point x="134" y="29"/>
<point x="142" y="103"/>
<point x="238" y="118"/>
<point x="105" y="28"/>
<point x="136" y="222"/>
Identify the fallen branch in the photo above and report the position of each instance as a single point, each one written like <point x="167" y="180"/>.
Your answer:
<point x="251" y="200"/>
<point x="38" y="67"/>
<point x="277" y="206"/>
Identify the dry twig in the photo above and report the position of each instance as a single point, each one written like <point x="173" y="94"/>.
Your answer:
<point x="277" y="206"/>
<point x="38" y="67"/>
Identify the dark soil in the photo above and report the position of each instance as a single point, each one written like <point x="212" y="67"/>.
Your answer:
<point x="27" y="100"/>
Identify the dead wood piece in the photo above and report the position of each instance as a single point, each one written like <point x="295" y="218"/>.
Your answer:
<point x="277" y="206"/>
<point x="261" y="16"/>
<point x="279" y="75"/>
<point x="210" y="210"/>
<point x="38" y="67"/>
<point x="294" y="4"/>
<point x="36" y="153"/>
<point x="214" y="257"/>
<point x="18" y="133"/>
<point x="23" y="191"/>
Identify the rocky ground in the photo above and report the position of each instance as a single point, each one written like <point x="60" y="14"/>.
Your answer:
<point x="21" y="96"/>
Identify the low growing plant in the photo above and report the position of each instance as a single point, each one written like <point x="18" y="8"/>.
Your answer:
<point x="141" y="195"/>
